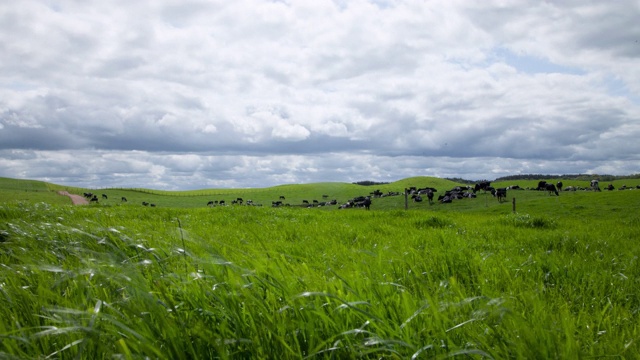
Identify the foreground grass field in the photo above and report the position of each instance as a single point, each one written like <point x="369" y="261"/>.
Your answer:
<point x="560" y="278"/>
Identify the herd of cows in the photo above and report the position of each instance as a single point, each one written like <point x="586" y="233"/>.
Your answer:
<point x="413" y="193"/>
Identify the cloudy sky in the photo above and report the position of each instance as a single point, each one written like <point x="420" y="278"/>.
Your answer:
<point x="191" y="94"/>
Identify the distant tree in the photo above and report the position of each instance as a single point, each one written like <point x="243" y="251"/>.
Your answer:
<point x="369" y="183"/>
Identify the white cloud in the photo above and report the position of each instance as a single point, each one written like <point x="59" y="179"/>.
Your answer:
<point x="291" y="132"/>
<point x="157" y="89"/>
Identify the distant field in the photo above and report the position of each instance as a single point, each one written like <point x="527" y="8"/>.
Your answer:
<point x="559" y="278"/>
<point x="12" y="190"/>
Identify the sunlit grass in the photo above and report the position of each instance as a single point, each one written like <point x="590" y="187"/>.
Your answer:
<point x="246" y="282"/>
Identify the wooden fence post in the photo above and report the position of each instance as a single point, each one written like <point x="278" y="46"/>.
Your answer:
<point x="514" y="205"/>
<point x="406" y="199"/>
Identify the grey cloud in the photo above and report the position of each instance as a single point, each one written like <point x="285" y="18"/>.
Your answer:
<point x="188" y="94"/>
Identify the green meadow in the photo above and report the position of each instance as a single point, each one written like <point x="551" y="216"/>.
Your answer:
<point x="558" y="278"/>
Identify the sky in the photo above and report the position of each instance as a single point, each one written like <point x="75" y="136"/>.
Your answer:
<point x="195" y="94"/>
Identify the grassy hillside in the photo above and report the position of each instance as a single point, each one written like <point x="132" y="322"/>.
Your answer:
<point x="574" y="204"/>
<point x="29" y="191"/>
<point x="293" y="194"/>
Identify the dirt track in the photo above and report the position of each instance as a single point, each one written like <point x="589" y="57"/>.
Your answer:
<point x="75" y="199"/>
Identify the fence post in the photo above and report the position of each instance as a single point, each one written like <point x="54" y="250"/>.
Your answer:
<point x="406" y="199"/>
<point x="514" y="205"/>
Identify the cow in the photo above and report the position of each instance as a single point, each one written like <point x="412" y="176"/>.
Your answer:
<point x="552" y="189"/>
<point x="152" y="205"/>
<point x="542" y="185"/>
<point x="559" y="185"/>
<point x="104" y="196"/>
<point x="610" y="187"/>
<point x="483" y="185"/>
<point x="595" y="186"/>
<point x="416" y="198"/>
<point x="276" y="203"/>
<point x="281" y="197"/>
<point x="430" y="196"/>
<point x="239" y="201"/>
<point x="144" y="203"/>
<point x="445" y="199"/>
<point x="305" y="202"/>
<point x="500" y="193"/>
<point x="367" y="203"/>
<point x="94" y="198"/>
<point x="210" y="203"/>
<point x="123" y="199"/>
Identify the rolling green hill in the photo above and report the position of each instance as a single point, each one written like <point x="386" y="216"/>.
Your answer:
<point x="539" y="202"/>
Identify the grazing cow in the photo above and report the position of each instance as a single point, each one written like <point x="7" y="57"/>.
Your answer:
<point x="305" y="202"/>
<point x="430" y="196"/>
<point x="276" y="203"/>
<point x="221" y="203"/>
<point x="542" y="185"/>
<point x="500" y="193"/>
<point x="610" y="187"/>
<point x="416" y="198"/>
<point x="239" y="201"/>
<point x="559" y="185"/>
<point x="210" y="203"/>
<point x="123" y="199"/>
<point x="315" y="202"/>
<point x="483" y="185"/>
<point x="595" y="185"/>
<point x="281" y="197"/>
<point x="325" y="196"/>
<point x="367" y="202"/>
<point x="552" y="189"/>
<point x="152" y="205"/>
<point x="144" y="203"/>
<point x="104" y="196"/>
<point x="88" y="195"/>
<point x="94" y="198"/>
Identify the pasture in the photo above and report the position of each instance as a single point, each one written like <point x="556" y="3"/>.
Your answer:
<point x="559" y="278"/>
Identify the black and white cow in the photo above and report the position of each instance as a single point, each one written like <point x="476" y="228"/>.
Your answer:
<point x="500" y="193"/>
<point x="552" y="189"/>
<point x="483" y="185"/>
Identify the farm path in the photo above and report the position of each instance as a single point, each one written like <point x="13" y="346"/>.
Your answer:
<point x="75" y="199"/>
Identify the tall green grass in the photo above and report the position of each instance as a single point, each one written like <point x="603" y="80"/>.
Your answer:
<point x="249" y="282"/>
